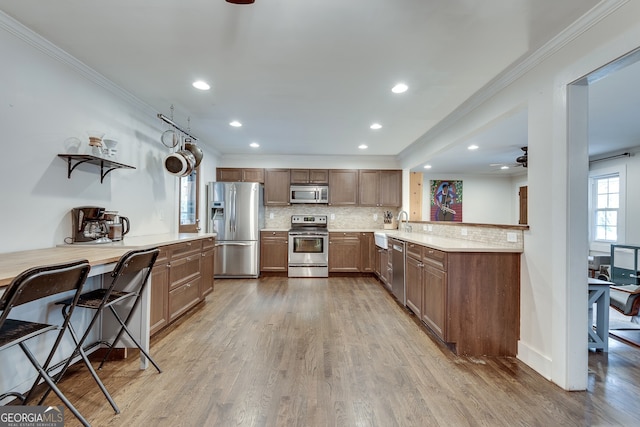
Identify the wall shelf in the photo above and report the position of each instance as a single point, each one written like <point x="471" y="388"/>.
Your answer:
<point x="106" y="166"/>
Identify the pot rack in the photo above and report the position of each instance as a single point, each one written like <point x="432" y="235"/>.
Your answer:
<point x="171" y="123"/>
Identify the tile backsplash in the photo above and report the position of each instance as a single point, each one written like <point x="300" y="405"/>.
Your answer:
<point x="362" y="218"/>
<point x="344" y="218"/>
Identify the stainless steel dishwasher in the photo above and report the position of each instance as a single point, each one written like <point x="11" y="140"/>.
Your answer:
<point x="397" y="261"/>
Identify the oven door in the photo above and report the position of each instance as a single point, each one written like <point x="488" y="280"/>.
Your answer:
<point x="308" y="249"/>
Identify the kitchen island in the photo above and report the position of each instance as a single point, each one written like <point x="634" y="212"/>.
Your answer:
<point x="467" y="293"/>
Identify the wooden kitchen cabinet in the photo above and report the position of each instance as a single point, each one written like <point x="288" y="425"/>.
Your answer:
<point x="367" y="253"/>
<point x="380" y="188"/>
<point x="434" y="291"/>
<point x="384" y="267"/>
<point x="343" y="187"/>
<point x="181" y="278"/>
<point x="469" y="300"/>
<point x="344" y="252"/>
<point x="184" y="277"/>
<point x="276" y="187"/>
<point x="207" y="266"/>
<point x="309" y="176"/>
<point x="159" y="300"/>
<point x="240" y="175"/>
<point x="274" y="251"/>
<point x="414" y="281"/>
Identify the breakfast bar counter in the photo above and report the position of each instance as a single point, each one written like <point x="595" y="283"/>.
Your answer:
<point x="14" y="263"/>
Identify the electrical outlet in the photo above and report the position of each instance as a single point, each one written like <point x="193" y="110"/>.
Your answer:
<point x="333" y="216"/>
<point x="375" y="217"/>
<point x="463" y="231"/>
<point x="512" y="237"/>
<point x="270" y="215"/>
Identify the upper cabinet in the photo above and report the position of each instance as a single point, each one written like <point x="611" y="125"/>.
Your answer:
<point x="380" y="188"/>
<point x="309" y="176"/>
<point x="240" y="175"/>
<point x="276" y="187"/>
<point x="343" y="187"/>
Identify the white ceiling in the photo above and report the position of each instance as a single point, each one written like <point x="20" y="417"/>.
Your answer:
<point x="309" y="77"/>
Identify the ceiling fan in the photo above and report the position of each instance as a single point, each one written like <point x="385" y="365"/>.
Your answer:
<point x="522" y="160"/>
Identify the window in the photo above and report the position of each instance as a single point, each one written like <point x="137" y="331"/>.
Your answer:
<point x="606" y="200"/>
<point x="188" y="210"/>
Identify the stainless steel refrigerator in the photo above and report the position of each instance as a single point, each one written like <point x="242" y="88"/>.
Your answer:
<point x="236" y="214"/>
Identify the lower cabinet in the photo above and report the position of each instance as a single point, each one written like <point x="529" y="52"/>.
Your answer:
<point x="344" y="252"/>
<point x="413" y="272"/>
<point x="181" y="278"/>
<point x="159" y="305"/>
<point x="469" y="300"/>
<point x="274" y="251"/>
<point x="207" y="266"/>
<point x="367" y="253"/>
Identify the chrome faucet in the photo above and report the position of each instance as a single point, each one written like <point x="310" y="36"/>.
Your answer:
<point x="406" y="220"/>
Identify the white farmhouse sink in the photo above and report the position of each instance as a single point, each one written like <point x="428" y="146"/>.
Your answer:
<point x="381" y="239"/>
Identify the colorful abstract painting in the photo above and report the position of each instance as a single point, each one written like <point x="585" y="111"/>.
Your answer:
<point x="446" y="200"/>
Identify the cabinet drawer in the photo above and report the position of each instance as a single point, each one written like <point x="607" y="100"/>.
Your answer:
<point x="184" y="269"/>
<point x="208" y="243"/>
<point x="185" y="249"/>
<point x="275" y="235"/>
<point x="415" y="251"/>
<point x="183" y="298"/>
<point x="435" y="258"/>
<point x="343" y="235"/>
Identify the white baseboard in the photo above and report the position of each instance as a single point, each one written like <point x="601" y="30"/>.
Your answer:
<point x="534" y="359"/>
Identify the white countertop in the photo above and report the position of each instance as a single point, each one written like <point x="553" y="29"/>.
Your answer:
<point x="447" y="244"/>
<point x="146" y="241"/>
<point x="13" y="263"/>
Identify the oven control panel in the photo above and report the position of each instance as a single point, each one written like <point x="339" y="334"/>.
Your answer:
<point x="314" y="220"/>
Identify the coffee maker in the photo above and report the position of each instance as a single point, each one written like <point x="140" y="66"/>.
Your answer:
<point x="89" y="225"/>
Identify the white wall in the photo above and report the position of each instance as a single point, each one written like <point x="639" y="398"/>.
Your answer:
<point x="553" y="275"/>
<point x="49" y="102"/>
<point x="486" y="199"/>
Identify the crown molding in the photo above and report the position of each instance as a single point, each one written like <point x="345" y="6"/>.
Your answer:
<point x="35" y="40"/>
<point x="504" y="79"/>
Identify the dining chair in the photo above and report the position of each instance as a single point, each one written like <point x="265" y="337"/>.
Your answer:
<point x="121" y="297"/>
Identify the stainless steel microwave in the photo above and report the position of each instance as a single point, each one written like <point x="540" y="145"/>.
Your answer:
<point x="309" y="194"/>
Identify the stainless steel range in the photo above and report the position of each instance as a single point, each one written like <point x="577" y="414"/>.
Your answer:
<point x="308" y="246"/>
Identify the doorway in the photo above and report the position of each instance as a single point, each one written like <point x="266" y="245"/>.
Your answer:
<point x="598" y="125"/>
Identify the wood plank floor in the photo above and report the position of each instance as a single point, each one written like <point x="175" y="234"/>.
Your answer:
<point x="336" y="352"/>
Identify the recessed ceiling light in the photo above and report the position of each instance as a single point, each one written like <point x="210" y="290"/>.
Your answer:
<point x="504" y="167"/>
<point x="235" y="124"/>
<point x="254" y="145"/>
<point x="363" y="146"/>
<point x="201" y="85"/>
<point x="399" y="88"/>
<point x="427" y="166"/>
<point x="376" y="126"/>
<point x="472" y="147"/>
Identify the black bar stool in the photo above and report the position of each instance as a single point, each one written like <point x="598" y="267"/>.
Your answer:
<point x="129" y="279"/>
<point x="30" y="286"/>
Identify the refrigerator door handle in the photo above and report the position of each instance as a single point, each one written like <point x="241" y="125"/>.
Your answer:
<point x="233" y="244"/>
<point x="233" y="209"/>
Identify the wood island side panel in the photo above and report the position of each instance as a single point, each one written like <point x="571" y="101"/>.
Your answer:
<point x="483" y="294"/>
